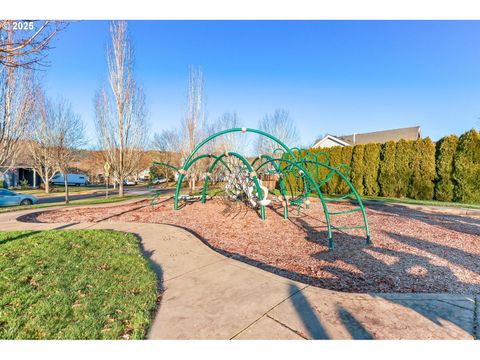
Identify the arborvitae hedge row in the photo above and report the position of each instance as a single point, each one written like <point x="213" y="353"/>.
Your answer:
<point x="423" y="170"/>
<point x="386" y="177"/>
<point x="371" y="167"/>
<point x="358" y="168"/>
<point x="445" y="151"/>
<point x="403" y="169"/>
<point x="335" y="155"/>
<point x="466" y="168"/>
<point x="347" y="152"/>
<point x="449" y="170"/>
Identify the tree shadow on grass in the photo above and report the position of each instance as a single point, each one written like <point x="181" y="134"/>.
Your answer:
<point x="157" y="269"/>
<point x="23" y="235"/>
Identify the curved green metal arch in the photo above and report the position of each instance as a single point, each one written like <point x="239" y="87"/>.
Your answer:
<point x="293" y="162"/>
<point x="186" y="165"/>
<point x="165" y="164"/>
<point x="238" y="156"/>
<point x="210" y="169"/>
<point x="283" y="190"/>
<point x="319" y="193"/>
<point x="355" y="193"/>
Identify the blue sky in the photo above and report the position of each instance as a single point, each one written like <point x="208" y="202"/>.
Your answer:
<point x="335" y="77"/>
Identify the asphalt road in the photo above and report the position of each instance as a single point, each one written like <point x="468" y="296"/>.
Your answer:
<point x="60" y="198"/>
<point x="133" y="190"/>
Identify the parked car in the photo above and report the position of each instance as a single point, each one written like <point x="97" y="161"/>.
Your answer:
<point x="11" y="198"/>
<point x="129" y="182"/>
<point x="72" y="179"/>
<point x="158" y="181"/>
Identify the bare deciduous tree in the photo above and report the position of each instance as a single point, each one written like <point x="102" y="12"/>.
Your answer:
<point x="69" y="136"/>
<point x="168" y="143"/>
<point x="56" y="136"/>
<point x="193" y="123"/>
<point x="16" y="111"/>
<point x="120" y="109"/>
<point x="42" y="141"/>
<point x="279" y="124"/>
<point x="25" y="43"/>
<point x="234" y="141"/>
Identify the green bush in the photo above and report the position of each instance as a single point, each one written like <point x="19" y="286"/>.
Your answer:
<point x="466" y="168"/>
<point x="423" y="170"/>
<point x="449" y="170"/>
<point x="445" y="151"/>
<point x="24" y="184"/>
<point x="358" y="168"/>
<point x="319" y="173"/>
<point x="335" y="155"/>
<point x="372" y="165"/>
<point x="386" y="177"/>
<point x="347" y="152"/>
<point x="403" y="170"/>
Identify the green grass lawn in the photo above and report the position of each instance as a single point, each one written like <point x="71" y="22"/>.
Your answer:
<point x="74" y="284"/>
<point x="58" y="190"/>
<point x="94" y="201"/>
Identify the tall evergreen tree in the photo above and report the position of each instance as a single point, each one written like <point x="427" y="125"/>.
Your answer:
<point x="423" y="170"/>
<point x="387" y="178"/>
<point x="358" y="168"/>
<point x="347" y="152"/>
<point x="403" y="170"/>
<point x="335" y="155"/>
<point x="466" y="168"/>
<point x="445" y="151"/>
<point x="372" y="165"/>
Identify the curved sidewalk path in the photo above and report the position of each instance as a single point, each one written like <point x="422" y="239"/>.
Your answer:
<point x="209" y="296"/>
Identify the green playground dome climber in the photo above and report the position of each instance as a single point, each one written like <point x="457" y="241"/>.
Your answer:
<point x="289" y="165"/>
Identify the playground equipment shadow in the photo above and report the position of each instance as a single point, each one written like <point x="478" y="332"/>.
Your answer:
<point x="412" y="251"/>
<point x="210" y="295"/>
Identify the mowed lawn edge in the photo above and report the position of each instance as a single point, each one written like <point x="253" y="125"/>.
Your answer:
<point x="74" y="284"/>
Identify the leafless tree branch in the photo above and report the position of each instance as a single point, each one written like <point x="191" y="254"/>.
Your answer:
<point x="120" y="109"/>
<point x="26" y="43"/>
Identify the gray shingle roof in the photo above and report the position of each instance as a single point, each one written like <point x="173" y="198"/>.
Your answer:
<point x="409" y="133"/>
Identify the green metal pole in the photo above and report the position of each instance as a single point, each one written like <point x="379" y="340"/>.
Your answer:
<point x="283" y="191"/>
<point x="213" y="136"/>
<point x="320" y="196"/>
<point x="357" y="197"/>
<point x="210" y="170"/>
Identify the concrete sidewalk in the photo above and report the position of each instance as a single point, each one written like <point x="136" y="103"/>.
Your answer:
<point x="209" y="296"/>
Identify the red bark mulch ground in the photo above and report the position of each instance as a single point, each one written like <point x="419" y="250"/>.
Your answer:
<point x="411" y="251"/>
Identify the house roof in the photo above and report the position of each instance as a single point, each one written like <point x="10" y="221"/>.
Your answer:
<point x="332" y="138"/>
<point x="409" y="133"/>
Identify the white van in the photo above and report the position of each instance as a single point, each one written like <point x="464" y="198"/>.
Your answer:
<point x="72" y="179"/>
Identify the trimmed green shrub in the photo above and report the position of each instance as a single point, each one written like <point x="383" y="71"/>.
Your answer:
<point x="320" y="173"/>
<point x="445" y="151"/>
<point x="347" y="152"/>
<point x="358" y="168"/>
<point x="386" y="177"/>
<point x="423" y="170"/>
<point x="403" y="170"/>
<point x="371" y="166"/>
<point x="335" y="155"/>
<point x="466" y="168"/>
